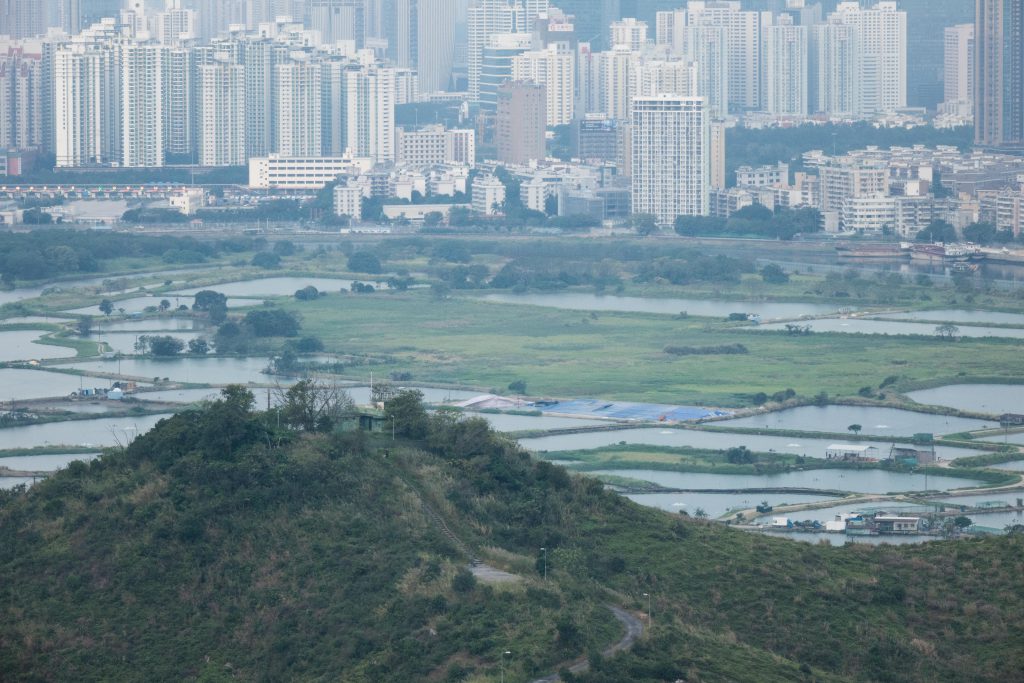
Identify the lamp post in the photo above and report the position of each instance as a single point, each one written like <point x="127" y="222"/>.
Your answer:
<point x="545" y="551"/>
<point x="648" y="596"/>
<point x="506" y="652"/>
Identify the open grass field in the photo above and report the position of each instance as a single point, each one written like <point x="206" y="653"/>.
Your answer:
<point x="621" y="355"/>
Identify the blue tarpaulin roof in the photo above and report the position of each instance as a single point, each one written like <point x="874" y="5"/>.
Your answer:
<point x="623" y="410"/>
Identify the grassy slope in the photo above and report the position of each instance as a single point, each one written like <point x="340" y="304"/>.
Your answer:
<point x="316" y="562"/>
<point x="620" y="355"/>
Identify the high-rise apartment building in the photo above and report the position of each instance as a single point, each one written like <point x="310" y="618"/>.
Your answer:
<point x="336" y="20"/>
<point x="484" y="18"/>
<point x="836" y="56"/>
<point x="743" y="38"/>
<point x="999" y="73"/>
<point x="555" y="69"/>
<point x="179" y="96"/>
<point x="662" y="77"/>
<point x="628" y="32"/>
<point x="671" y="170"/>
<point x="21" y="100"/>
<point x="221" y="106"/>
<point x="958" y="63"/>
<point x="435" y="43"/>
<point x="879" y="55"/>
<point x="496" y="65"/>
<point x="785" y="68"/>
<point x="521" y="122"/>
<point x="142" y="104"/>
<point x="370" y="120"/>
<point x="297" y="109"/>
<point x="612" y="73"/>
<point x="86" y="105"/>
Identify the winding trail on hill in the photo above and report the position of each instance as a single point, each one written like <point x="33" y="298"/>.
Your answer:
<point x="634" y="629"/>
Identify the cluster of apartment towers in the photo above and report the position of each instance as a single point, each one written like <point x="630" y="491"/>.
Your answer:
<point x="218" y="82"/>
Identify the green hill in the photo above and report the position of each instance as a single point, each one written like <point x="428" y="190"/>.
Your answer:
<point x="219" y="547"/>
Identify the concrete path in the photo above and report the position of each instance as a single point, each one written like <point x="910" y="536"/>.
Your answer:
<point x="634" y="629"/>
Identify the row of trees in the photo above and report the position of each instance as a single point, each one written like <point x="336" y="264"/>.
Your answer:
<point x="753" y="221"/>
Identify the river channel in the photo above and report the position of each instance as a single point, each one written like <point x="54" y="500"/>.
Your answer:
<point x="813" y="448"/>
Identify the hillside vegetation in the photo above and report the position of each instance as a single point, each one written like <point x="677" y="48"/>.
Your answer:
<point x="221" y="547"/>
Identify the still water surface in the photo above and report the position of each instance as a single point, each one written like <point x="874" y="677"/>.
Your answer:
<point x="581" y="301"/>
<point x="20" y="345"/>
<point x="858" y="481"/>
<point x="877" y="421"/>
<point x="103" y="432"/>
<point x="983" y="398"/>
<point x="280" y="286"/>
<point x="813" y="448"/>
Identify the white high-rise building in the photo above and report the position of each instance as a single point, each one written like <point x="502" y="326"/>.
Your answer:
<point x="659" y="77"/>
<point x="370" y="120"/>
<point x="175" y="26"/>
<point x="333" y="108"/>
<point x="221" y="104"/>
<point x="629" y="32"/>
<point x="435" y="43"/>
<point x="671" y="165"/>
<point x="179" y="72"/>
<point x="21" y="99"/>
<point x="612" y="73"/>
<point x="335" y="20"/>
<point x="708" y="46"/>
<point x="880" y="65"/>
<point x="836" y="54"/>
<point x="785" y="68"/>
<point x="259" y="57"/>
<point x="743" y="36"/>
<point x="142" y="104"/>
<point x="959" y="63"/>
<point x="496" y="65"/>
<point x="297" y="108"/>
<point x="484" y="19"/>
<point x="555" y="68"/>
<point x="86" y="105"/>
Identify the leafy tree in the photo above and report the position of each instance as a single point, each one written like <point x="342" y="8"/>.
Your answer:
<point x="308" y="345"/>
<point x="36" y="216"/>
<point x="518" y="386"/>
<point x="214" y="304"/>
<point x="364" y="262"/>
<point x="947" y="331"/>
<point x="310" y="406"/>
<point x="937" y="231"/>
<point x="464" y="581"/>
<point x="164" y="305"/>
<point x="106" y="307"/>
<point x="266" y="259"/>
<point x="308" y="293"/>
<point x="432" y="219"/>
<point x="740" y="456"/>
<point x="165" y="345"/>
<point x="272" y="322"/>
<point x="855" y="428"/>
<point x="962" y="522"/>
<point x="700" y="513"/>
<point x="409" y="415"/>
<point x="644" y="224"/>
<point x="84" y="326"/>
<point x="284" y="248"/>
<point x="198" y="346"/>
<point x="982" y="233"/>
<point x="773" y="274"/>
